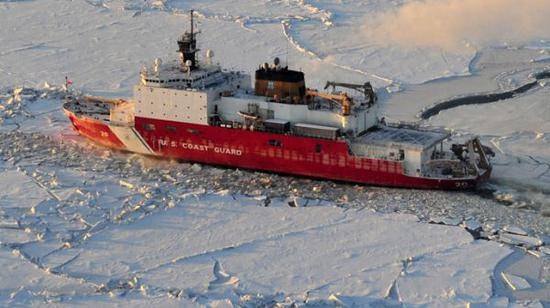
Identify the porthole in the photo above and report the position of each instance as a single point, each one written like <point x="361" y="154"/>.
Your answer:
<point x="275" y="143"/>
<point x="149" y="127"/>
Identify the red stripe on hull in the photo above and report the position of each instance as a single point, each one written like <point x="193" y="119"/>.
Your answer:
<point x="95" y="130"/>
<point x="303" y="156"/>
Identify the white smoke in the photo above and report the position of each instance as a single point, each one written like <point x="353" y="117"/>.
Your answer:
<point x="451" y="24"/>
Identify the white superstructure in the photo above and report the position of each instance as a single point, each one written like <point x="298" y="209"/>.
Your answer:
<point x="168" y="92"/>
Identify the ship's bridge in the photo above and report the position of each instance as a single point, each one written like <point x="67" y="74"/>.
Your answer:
<point x="172" y="75"/>
<point x="175" y="93"/>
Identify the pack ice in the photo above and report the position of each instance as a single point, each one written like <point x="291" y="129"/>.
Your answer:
<point x="81" y="225"/>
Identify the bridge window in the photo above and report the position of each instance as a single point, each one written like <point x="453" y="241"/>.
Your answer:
<point x="275" y="143"/>
<point x="170" y="128"/>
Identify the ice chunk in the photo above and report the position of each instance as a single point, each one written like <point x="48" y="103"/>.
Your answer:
<point x="471" y="224"/>
<point x="515" y="282"/>
<point x="221" y="303"/>
<point x="535" y="253"/>
<point x="520" y="240"/>
<point x="9" y="223"/>
<point x="335" y="298"/>
<point x="499" y="302"/>
<point x="126" y="184"/>
<point x="533" y="304"/>
<point x="196" y="168"/>
<point x="493" y="302"/>
<point x="293" y="203"/>
<point x="445" y="221"/>
<point x="263" y="200"/>
<point x="222" y="277"/>
<point x="514" y="230"/>
<point x="545" y="250"/>
<point x="297" y="202"/>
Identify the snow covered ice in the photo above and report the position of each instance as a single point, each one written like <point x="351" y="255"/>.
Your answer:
<point x="82" y="225"/>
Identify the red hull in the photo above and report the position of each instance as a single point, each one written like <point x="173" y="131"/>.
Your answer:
<point x="311" y="157"/>
<point x="95" y="130"/>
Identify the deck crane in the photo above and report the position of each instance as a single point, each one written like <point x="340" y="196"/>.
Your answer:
<point x="365" y="88"/>
<point x="340" y="98"/>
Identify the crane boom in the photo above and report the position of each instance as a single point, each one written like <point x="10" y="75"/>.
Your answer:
<point x="365" y="88"/>
<point x="343" y="99"/>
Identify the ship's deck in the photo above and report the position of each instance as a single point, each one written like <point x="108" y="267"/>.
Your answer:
<point x="402" y="137"/>
<point x="317" y="104"/>
<point x="95" y="108"/>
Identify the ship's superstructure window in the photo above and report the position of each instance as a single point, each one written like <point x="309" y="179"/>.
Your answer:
<point x="193" y="131"/>
<point x="149" y="127"/>
<point x="318" y="148"/>
<point x="275" y="143"/>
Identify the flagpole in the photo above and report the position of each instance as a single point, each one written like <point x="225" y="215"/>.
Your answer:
<point x="67" y="93"/>
<point x="66" y="89"/>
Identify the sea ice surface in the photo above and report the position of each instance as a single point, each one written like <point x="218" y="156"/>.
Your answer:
<point x="81" y="225"/>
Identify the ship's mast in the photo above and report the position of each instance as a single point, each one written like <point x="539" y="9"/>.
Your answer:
<point x="188" y="47"/>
